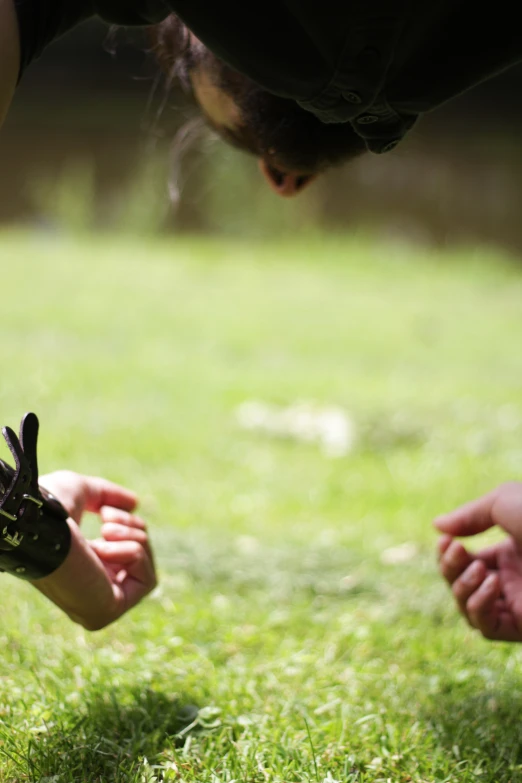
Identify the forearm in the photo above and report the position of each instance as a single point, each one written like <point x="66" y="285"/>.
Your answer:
<point x="9" y="55"/>
<point x="93" y="582"/>
<point x="80" y="586"/>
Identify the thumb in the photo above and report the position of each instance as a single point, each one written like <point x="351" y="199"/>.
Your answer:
<point x="471" y="518"/>
<point x="100" y="492"/>
<point x="502" y="507"/>
<point x="507" y="509"/>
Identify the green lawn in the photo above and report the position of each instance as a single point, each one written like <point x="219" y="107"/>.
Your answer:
<point x="308" y="655"/>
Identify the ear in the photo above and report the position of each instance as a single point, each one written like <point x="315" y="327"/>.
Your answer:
<point x="283" y="183"/>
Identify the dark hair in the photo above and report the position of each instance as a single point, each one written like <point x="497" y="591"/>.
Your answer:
<point x="271" y="127"/>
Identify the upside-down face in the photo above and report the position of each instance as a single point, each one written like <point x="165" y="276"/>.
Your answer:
<point x="292" y="146"/>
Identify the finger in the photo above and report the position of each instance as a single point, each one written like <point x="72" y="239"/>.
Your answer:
<point x="139" y="580"/>
<point x="510" y="568"/>
<point x="131" y="558"/>
<point x="121" y="517"/>
<point x="482" y="608"/>
<point x="113" y="569"/>
<point x="120" y="552"/>
<point x="454" y="561"/>
<point x="443" y="544"/>
<point x="112" y="531"/>
<point x="490" y="555"/>
<point x="471" y="518"/>
<point x="465" y="585"/>
<point x="507" y="628"/>
<point x="116" y="516"/>
<point x="101" y="492"/>
<point x="135" y="562"/>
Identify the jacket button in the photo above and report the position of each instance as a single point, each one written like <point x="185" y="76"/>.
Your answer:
<point x="352" y="97"/>
<point x="367" y="119"/>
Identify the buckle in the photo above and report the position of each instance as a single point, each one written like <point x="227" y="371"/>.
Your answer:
<point x="30" y="498"/>
<point x="10" y="517"/>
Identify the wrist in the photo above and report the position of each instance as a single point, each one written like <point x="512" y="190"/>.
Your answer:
<point x="80" y="587"/>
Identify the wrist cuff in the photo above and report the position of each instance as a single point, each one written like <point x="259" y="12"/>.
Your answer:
<point x="34" y="534"/>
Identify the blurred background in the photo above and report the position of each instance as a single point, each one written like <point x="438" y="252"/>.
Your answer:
<point x="88" y="145"/>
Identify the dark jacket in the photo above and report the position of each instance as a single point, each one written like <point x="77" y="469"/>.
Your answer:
<point x="377" y="64"/>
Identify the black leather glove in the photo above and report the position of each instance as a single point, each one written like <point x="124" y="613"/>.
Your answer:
<point x="34" y="534"/>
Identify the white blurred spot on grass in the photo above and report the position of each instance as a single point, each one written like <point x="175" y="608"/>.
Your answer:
<point x="247" y="545"/>
<point x="396" y="555"/>
<point x="220" y="602"/>
<point x="330" y="427"/>
<point x="348" y="582"/>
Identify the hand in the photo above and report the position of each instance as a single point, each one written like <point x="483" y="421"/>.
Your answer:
<point x="487" y="586"/>
<point x="101" y="579"/>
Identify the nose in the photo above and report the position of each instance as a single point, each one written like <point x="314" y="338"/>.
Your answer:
<point x="282" y="182"/>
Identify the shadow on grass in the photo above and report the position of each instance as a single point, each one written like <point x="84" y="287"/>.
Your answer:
<point x="111" y="736"/>
<point x="481" y="732"/>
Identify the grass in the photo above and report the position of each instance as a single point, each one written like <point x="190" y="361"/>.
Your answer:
<point x="281" y="645"/>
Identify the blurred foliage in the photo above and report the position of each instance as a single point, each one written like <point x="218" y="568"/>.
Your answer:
<point x="434" y="198"/>
<point x="89" y="145"/>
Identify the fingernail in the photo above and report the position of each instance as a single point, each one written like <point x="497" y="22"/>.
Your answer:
<point x="454" y="553"/>
<point x="470" y="575"/>
<point x="489" y="583"/>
